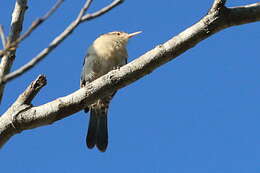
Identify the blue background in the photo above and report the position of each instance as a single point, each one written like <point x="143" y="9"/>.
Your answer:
<point x="198" y="113"/>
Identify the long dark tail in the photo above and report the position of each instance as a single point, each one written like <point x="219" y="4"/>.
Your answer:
<point x="97" y="129"/>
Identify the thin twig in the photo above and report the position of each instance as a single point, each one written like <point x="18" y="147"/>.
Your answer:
<point x="84" y="9"/>
<point x="39" y="21"/>
<point x="60" y="38"/>
<point x="2" y="35"/>
<point x="33" y="26"/>
<point x="101" y="11"/>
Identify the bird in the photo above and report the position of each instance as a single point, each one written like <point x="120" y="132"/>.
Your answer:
<point x="106" y="53"/>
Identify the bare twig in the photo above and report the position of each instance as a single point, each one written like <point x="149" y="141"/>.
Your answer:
<point x="2" y="35"/>
<point x="101" y="11"/>
<point x="33" y="26"/>
<point x="81" y="18"/>
<point x="60" y="108"/>
<point x="84" y="9"/>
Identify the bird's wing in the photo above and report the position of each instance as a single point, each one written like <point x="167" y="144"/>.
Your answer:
<point x="82" y="77"/>
<point x="87" y="74"/>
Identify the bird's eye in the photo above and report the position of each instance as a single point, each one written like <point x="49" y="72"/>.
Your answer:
<point x="118" y="33"/>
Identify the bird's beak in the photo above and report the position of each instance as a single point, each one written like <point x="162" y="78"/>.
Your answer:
<point x="133" y="34"/>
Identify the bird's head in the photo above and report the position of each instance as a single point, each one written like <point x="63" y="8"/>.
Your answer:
<point x="119" y="36"/>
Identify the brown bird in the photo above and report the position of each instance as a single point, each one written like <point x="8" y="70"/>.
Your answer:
<point x="107" y="52"/>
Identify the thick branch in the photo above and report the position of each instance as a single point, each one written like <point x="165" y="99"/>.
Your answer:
<point x="62" y="107"/>
<point x="8" y="124"/>
<point x="244" y="14"/>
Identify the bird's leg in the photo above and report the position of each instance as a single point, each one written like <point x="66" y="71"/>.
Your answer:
<point x="116" y="67"/>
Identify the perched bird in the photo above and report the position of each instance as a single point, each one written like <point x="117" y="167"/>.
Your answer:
<point x="107" y="52"/>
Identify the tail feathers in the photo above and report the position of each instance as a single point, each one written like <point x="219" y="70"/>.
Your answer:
<point x="102" y="135"/>
<point x="92" y="130"/>
<point x="97" y="130"/>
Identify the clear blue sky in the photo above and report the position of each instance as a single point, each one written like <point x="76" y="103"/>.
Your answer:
<point x="197" y="114"/>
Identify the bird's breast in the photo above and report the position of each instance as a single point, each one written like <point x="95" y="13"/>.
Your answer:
<point x="108" y="57"/>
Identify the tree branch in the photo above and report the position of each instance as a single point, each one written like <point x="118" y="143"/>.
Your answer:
<point x="217" y="5"/>
<point x="101" y="11"/>
<point x="32" y="117"/>
<point x="32" y="90"/>
<point x="33" y="26"/>
<point x="244" y="14"/>
<point x="80" y="19"/>
<point x="2" y="35"/>
<point x="8" y="123"/>
<point x="16" y="28"/>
